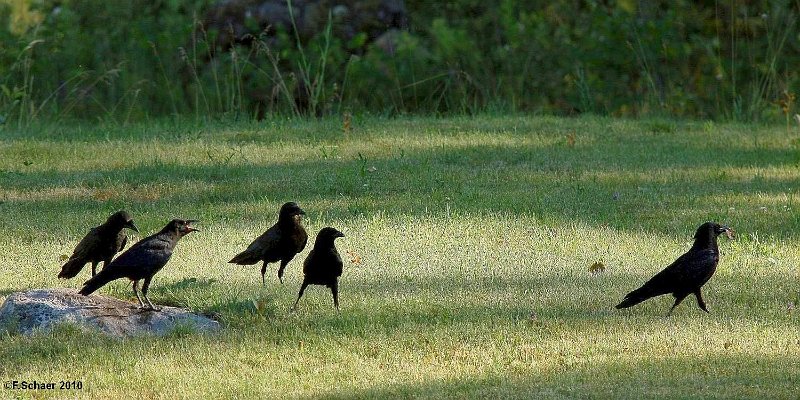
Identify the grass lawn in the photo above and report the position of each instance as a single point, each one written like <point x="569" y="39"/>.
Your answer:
<point x="475" y="236"/>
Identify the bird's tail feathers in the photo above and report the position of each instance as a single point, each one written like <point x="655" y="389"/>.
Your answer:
<point x="96" y="282"/>
<point x="71" y="268"/>
<point x="635" y="297"/>
<point x="243" y="259"/>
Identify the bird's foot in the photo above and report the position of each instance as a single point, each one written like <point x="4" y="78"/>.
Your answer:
<point x="149" y="308"/>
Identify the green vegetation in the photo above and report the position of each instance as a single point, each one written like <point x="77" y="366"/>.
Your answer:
<point x="475" y="238"/>
<point x="714" y="60"/>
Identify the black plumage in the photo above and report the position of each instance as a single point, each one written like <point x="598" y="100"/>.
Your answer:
<point x="323" y="266"/>
<point x="143" y="260"/>
<point x="281" y="242"/>
<point x="99" y="245"/>
<point x="687" y="274"/>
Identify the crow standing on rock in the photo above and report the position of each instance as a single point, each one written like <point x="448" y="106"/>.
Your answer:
<point x="142" y="261"/>
<point x="281" y="242"/>
<point x="100" y="244"/>
<point x="688" y="273"/>
<point x="323" y="266"/>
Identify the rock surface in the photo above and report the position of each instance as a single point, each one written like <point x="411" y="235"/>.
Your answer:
<point x="39" y="310"/>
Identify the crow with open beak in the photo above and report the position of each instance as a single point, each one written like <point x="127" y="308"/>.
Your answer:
<point x="143" y="260"/>
<point x="281" y="242"/>
<point x="688" y="273"/>
<point x="99" y="245"/>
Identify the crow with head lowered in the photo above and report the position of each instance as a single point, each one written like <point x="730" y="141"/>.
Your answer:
<point x="99" y="245"/>
<point x="281" y="242"/>
<point x="143" y="260"/>
<point x="688" y="273"/>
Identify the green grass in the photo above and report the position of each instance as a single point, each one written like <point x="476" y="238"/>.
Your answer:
<point x="475" y="235"/>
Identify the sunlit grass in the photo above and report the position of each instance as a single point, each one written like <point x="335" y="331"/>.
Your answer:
<point x="474" y="235"/>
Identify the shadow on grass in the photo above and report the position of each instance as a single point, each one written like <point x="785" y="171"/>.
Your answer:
<point x="434" y="309"/>
<point x="631" y="186"/>
<point x="742" y="376"/>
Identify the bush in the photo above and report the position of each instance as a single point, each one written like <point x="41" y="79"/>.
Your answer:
<point x="119" y="61"/>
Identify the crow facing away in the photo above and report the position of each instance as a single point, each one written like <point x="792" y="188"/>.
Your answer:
<point x="142" y="261"/>
<point x="281" y="242"/>
<point x="323" y="266"/>
<point x="688" y="273"/>
<point x="100" y="244"/>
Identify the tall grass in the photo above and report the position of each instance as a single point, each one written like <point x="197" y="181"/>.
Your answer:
<point x="623" y="59"/>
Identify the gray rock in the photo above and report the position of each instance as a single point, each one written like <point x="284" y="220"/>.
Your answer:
<point x="39" y="310"/>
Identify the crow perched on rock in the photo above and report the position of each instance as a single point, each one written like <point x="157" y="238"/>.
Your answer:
<point x="688" y="273"/>
<point x="281" y="242"/>
<point x="323" y="266"/>
<point x="142" y="260"/>
<point x="100" y="244"/>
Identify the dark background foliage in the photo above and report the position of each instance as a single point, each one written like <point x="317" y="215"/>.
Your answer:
<point x="127" y="60"/>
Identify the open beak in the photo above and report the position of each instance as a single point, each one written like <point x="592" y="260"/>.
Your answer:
<point x="190" y="228"/>
<point x="131" y="226"/>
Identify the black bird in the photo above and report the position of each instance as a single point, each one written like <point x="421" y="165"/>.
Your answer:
<point x="281" y="242"/>
<point x="323" y="266"/>
<point x="688" y="273"/>
<point x="100" y="244"/>
<point x="142" y="260"/>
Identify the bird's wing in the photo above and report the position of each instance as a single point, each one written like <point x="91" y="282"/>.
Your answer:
<point x="153" y="251"/>
<point x="336" y="262"/>
<point x="699" y="266"/>
<point x="122" y="240"/>
<point x="303" y="238"/>
<point x="688" y="270"/>
<point x="265" y="244"/>
<point x="303" y="245"/>
<point x="87" y="245"/>
<point x="309" y="263"/>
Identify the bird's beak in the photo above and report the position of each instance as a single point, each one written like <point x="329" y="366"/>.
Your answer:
<point x="339" y="234"/>
<point x="729" y="232"/>
<point x="190" y="228"/>
<point x="301" y="212"/>
<point x="131" y="226"/>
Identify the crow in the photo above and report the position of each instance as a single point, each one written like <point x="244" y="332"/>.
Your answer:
<point x="688" y="273"/>
<point x="281" y="242"/>
<point x="142" y="260"/>
<point x="323" y="266"/>
<point x="100" y="244"/>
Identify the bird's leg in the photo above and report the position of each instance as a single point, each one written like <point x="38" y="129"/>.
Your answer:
<point x="145" y="286"/>
<point x="105" y="264"/>
<point x="263" y="271"/>
<point x="700" y="302"/>
<point x="299" y="295"/>
<point x="678" y="300"/>
<point x="94" y="268"/>
<point x="136" y="292"/>
<point x="280" y="270"/>
<point x="335" y="292"/>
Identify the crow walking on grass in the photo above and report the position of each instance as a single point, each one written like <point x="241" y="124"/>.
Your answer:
<point x="323" y="266"/>
<point x="142" y="261"/>
<point x="99" y="245"/>
<point x="281" y="242"/>
<point x="688" y="273"/>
